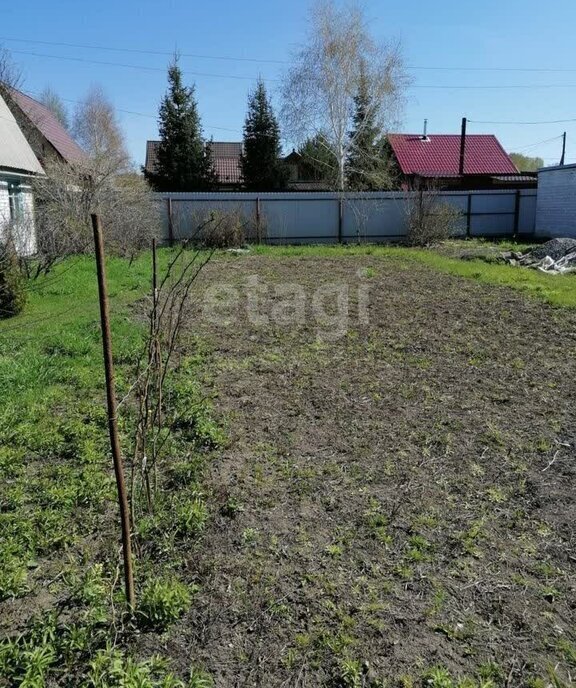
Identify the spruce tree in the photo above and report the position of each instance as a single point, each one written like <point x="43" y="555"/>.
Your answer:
<point x="262" y="168"/>
<point x="366" y="165"/>
<point x="184" y="162"/>
<point x="319" y="163"/>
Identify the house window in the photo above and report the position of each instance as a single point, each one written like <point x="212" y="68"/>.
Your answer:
<point x="15" y="201"/>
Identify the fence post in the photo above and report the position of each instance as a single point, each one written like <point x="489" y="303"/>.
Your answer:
<point x="517" y="213"/>
<point x="469" y="217"/>
<point x="170" y="223"/>
<point x="258" y="220"/>
<point x="112" y="413"/>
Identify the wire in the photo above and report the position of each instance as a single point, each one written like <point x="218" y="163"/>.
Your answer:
<point x="249" y="78"/>
<point x="131" y="66"/>
<point x="147" y="52"/>
<point x="229" y="58"/>
<point x="539" y="143"/>
<point x="553" y="121"/>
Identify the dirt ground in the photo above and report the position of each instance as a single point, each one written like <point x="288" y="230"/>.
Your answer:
<point x="398" y="498"/>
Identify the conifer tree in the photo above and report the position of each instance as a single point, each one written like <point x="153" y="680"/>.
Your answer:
<point x="367" y="164"/>
<point x="262" y="167"/>
<point x="184" y="161"/>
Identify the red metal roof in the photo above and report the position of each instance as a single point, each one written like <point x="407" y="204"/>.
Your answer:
<point x="49" y="126"/>
<point x="438" y="155"/>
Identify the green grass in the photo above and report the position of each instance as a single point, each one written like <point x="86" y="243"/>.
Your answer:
<point x="557" y="290"/>
<point x="59" y="518"/>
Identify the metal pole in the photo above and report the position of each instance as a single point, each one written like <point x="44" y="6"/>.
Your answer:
<point x="517" y="213"/>
<point x="462" y="146"/>
<point x="563" y="149"/>
<point x="112" y="414"/>
<point x="170" y="223"/>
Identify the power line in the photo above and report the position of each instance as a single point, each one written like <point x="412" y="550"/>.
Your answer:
<point x="147" y="52"/>
<point x="229" y="58"/>
<point x="539" y="143"/>
<point x="249" y="78"/>
<point x="131" y="66"/>
<point x="554" y="121"/>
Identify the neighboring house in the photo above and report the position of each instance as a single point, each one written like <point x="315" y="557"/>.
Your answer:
<point x="47" y="137"/>
<point x="302" y="176"/>
<point x="227" y="159"/>
<point x="226" y="156"/>
<point x="18" y="165"/>
<point x="450" y="162"/>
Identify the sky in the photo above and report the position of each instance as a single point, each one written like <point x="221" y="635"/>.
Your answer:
<point x="497" y="62"/>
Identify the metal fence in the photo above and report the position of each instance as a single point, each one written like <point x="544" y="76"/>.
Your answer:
<point x="329" y="217"/>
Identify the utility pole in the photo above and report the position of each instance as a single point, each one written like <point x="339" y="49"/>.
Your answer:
<point x="462" y="146"/>
<point x="112" y="413"/>
<point x="563" y="148"/>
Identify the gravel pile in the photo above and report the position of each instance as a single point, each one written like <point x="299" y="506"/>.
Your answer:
<point x="555" y="249"/>
<point x="557" y="256"/>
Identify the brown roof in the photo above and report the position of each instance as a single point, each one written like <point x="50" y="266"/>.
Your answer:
<point x="228" y="169"/>
<point x="226" y="149"/>
<point x="225" y="155"/>
<point x="48" y="125"/>
<point x="151" y="155"/>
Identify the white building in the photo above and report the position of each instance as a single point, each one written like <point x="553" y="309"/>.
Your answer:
<point x="556" y="203"/>
<point x="18" y="165"/>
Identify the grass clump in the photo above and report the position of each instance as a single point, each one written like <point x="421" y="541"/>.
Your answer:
<point x="163" y="601"/>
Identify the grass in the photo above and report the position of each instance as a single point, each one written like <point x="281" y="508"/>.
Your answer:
<point x="58" y="520"/>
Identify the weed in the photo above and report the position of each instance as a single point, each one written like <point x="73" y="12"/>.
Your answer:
<point x="163" y="601"/>
<point x="190" y="517"/>
<point x="350" y="673"/>
<point x="250" y="536"/>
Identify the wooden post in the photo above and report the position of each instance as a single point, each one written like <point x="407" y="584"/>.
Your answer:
<point x="563" y="148"/>
<point x="112" y="413"/>
<point x="516" y="213"/>
<point x="170" y="223"/>
<point x="469" y="217"/>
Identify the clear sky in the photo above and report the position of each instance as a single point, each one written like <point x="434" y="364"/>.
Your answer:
<point x="463" y="37"/>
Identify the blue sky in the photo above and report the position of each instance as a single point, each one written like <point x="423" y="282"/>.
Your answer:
<point x="495" y="34"/>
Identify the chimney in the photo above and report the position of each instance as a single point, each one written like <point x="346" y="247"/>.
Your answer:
<point x="462" y="146"/>
<point x="424" y="136"/>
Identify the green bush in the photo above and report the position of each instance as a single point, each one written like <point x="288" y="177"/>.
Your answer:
<point x="163" y="601"/>
<point x="12" y="284"/>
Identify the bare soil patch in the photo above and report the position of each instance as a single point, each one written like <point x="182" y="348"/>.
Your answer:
<point x="398" y="498"/>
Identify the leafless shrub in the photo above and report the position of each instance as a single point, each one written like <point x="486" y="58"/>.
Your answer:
<point x="223" y="230"/>
<point x="170" y="295"/>
<point x="102" y="181"/>
<point x="67" y="195"/>
<point x="430" y="221"/>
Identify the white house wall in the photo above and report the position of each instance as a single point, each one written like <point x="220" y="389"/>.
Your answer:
<point x="24" y="234"/>
<point x="556" y="203"/>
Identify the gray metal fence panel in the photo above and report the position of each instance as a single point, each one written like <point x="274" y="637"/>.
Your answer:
<point x="314" y="217"/>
